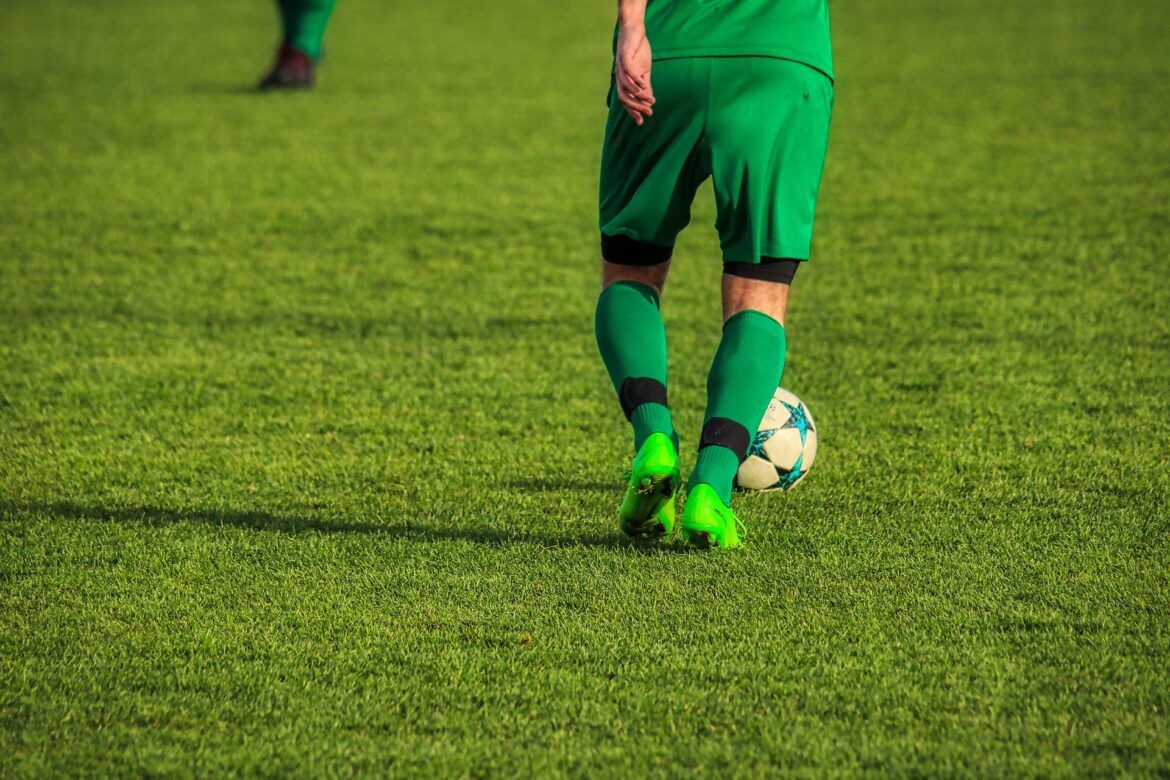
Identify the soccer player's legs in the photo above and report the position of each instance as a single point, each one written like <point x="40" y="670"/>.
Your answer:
<point x="744" y="374"/>
<point x="648" y="179"/>
<point x="632" y="341"/>
<point x="649" y="175"/>
<point x="767" y="142"/>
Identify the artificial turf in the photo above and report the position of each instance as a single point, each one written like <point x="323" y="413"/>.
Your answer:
<point x="308" y="465"/>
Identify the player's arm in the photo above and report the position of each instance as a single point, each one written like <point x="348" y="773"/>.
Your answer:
<point x="632" y="61"/>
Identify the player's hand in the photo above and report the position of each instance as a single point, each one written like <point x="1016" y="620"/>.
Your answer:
<point x="632" y="76"/>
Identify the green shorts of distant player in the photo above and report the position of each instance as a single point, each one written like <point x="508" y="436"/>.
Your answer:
<point x="758" y="126"/>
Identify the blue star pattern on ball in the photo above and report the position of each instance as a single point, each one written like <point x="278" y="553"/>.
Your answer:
<point x="798" y="419"/>
<point x="757" y="445"/>
<point x="789" y="478"/>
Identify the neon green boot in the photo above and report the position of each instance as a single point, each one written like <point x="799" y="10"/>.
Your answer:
<point x="648" y="508"/>
<point x="707" y="521"/>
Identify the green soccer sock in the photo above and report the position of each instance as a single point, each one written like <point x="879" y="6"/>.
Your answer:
<point x="632" y="340"/>
<point x="304" y="24"/>
<point x="744" y="376"/>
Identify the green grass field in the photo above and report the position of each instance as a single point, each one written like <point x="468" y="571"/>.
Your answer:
<point x="308" y="465"/>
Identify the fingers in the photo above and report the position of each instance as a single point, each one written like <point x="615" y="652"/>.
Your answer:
<point x="637" y="81"/>
<point x="644" y="98"/>
<point x="637" y="111"/>
<point x="633" y="82"/>
<point x="636" y="106"/>
<point x="641" y="94"/>
<point x="635" y="94"/>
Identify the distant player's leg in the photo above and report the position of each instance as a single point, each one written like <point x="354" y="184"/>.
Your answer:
<point x="303" y="25"/>
<point x="649" y="175"/>
<point x="745" y="373"/>
<point x="632" y="340"/>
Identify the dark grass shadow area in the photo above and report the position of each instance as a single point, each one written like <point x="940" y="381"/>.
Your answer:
<point x="292" y="524"/>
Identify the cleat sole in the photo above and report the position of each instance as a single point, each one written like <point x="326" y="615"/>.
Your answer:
<point x="652" y="493"/>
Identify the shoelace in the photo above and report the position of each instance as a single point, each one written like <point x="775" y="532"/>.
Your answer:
<point x="741" y="527"/>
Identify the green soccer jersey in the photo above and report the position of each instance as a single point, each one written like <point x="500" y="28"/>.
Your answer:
<point x="788" y="29"/>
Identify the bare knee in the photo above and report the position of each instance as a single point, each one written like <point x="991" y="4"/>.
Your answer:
<point x="653" y="276"/>
<point x="768" y="297"/>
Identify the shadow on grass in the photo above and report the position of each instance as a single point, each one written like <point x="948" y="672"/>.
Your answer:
<point x="253" y="520"/>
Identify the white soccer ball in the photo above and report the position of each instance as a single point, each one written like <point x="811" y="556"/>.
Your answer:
<point x="783" y="449"/>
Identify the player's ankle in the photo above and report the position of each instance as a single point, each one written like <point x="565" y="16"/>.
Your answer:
<point x="715" y="467"/>
<point x="649" y="419"/>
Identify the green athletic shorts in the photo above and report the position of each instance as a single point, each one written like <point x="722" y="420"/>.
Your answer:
<point x="758" y="126"/>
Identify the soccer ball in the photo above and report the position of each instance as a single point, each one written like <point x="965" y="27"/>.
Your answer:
<point x="783" y="449"/>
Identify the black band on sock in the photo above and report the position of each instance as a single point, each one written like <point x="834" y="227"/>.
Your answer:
<point x="769" y="269"/>
<point x="722" y="432"/>
<point x="624" y="250"/>
<point x="641" y="390"/>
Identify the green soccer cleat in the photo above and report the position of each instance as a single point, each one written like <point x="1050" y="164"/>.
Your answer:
<point x="707" y="521"/>
<point x="648" y="508"/>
